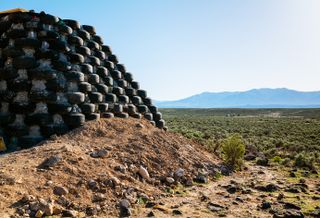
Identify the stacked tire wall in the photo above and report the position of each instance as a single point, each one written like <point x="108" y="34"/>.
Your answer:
<point x="56" y="74"/>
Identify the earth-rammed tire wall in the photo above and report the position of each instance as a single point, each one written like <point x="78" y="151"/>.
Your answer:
<point x="55" y="75"/>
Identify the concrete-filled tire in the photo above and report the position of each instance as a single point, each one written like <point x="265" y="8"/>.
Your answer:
<point x="87" y="108"/>
<point x="75" y="97"/>
<point x="74" y="120"/>
<point x="95" y="97"/>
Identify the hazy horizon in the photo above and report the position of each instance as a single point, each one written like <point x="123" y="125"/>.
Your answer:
<point x="177" y="48"/>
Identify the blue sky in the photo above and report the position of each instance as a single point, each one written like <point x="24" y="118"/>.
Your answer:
<point x="177" y="48"/>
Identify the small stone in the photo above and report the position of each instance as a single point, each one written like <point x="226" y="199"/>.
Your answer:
<point x="92" y="184"/>
<point x="50" y="162"/>
<point x="179" y="173"/>
<point x="91" y="211"/>
<point x="98" y="197"/>
<point x="144" y="172"/>
<point x="27" y="198"/>
<point x="231" y="189"/>
<point x="59" y="190"/>
<point x="239" y="199"/>
<point x="99" y="154"/>
<point x="176" y="212"/>
<point x="120" y="168"/>
<point x="34" y="206"/>
<point x="48" y="209"/>
<point x="70" y="213"/>
<point x="139" y="125"/>
<point x="49" y="183"/>
<point x="170" y="180"/>
<point x="151" y="214"/>
<point x="265" y="205"/>
<point x="289" y="205"/>
<point x="124" y="208"/>
<point x="39" y="214"/>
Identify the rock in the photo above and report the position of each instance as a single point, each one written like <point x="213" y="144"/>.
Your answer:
<point x="292" y="189"/>
<point x="176" y="212"/>
<point x="150" y="204"/>
<point x="170" y="180"/>
<point x="292" y="174"/>
<point x="39" y="214"/>
<point x="120" y="168"/>
<point x="265" y="205"/>
<point x="60" y="190"/>
<point x="179" y="173"/>
<point x="201" y="178"/>
<point x="99" y="153"/>
<point x="92" y="184"/>
<point x="315" y="213"/>
<point x="50" y="162"/>
<point x="98" y="197"/>
<point x="139" y="125"/>
<point x="262" y="162"/>
<point x="189" y="182"/>
<point x="49" y="183"/>
<point x="34" y="206"/>
<point x="239" y="199"/>
<point x="48" y="209"/>
<point x="150" y="214"/>
<point x="124" y="205"/>
<point x="231" y="189"/>
<point x="27" y="198"/>
<point x="225" y="170"/>
<point x="143" y="172"/>
<point x="215" y="207"/>
<point x="267" y="188"/>
<point x="249" y="157"/>
<point x="70" y="213"/>
<point x="280" y="196"/>
<point x="91" y="211"/>
<point x="289" y="205"/>
<point x="288" y="214"/>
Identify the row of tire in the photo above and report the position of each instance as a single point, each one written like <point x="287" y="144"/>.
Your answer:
<point x="56" y="74"/>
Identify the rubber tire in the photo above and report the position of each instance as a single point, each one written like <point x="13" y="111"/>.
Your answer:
<point x="93" y="116"/>
<point x="75" y="97"/>
<point x="87" y="108"/>
<point x="24" y="62"/>
<point x="74" y="120"/>
<point x="103" y="107"/>
<point x="85" y="87"/>
<point x="95" y="97"/>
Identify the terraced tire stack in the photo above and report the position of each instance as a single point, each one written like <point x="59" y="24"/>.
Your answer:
<point x="56" y="74"/>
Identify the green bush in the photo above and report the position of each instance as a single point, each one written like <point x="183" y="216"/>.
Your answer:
<point x="302" y="160"/>
<point x="276" y="159"/>
<point x="233" y="150"/>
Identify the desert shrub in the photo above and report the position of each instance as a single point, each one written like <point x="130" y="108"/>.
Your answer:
<point x="276" y="159"/>
<point x="233" y="150"/>
<point x="302" y="160"/>
<point x="286" y="161"/>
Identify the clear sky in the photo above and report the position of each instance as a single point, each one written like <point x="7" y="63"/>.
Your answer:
<point x="177" y="48"/>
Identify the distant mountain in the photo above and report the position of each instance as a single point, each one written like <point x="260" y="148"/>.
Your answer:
<point x="255" y="98"/>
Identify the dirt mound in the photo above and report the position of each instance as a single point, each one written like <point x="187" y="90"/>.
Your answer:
<point x="89" y="170"/>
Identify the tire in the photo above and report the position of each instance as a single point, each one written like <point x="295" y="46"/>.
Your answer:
<point x="108" y="81"/>
<point x="121" y="68"/>
<point x="142" y="93"/>
<point x="40" y="119"/>
<point x="111" y="98"/>
<point x="16" y="33"/>
<point x="118" y="108"/>
<point x="48" y="19"/>
<point x="116" y="74"/>
<point x="94" y="116"/>
<point x="72" y="23"/>
<point x="103" y="107"/>
<point x="27" y="43"/>
<point x="7" y="95"/>
<point x="85" y="51"/>
<point x="147" y="101"/>
<point x="56" y="85"/>
<point x="122" y="115"/>
<point x="97" y="39"/>
<point x="100" y="54"/>
<point x="102" y="72"/>
<point x="16" y="130"/>
<point x="136" y="100"/>
<point x="89" y="29"/>
<point x="142" y="109"/>
<point x="130" y="92"/>
<point x="136" y="115"/>
<point x="19" y="85"/>
<point x="87" y="108"/>
<point x="153" y="109"/>
<point x="122" y="83"/>
<point x="94" y="61"/>
<point x="113" y="58"/>
<point x="95" y="97"/>
<point x="59" y="108"/>
<point x="93" y="79"/>
<point x="61" y="65"/>
<point x="74" y="76"/>
<point x="75" y="40"/>
<point x="93" y="45"/>
<point x="132" y="109"/>
<point x="48" y="36"/>
<point x="29" y="141"/>
<point x="75" y="97"/>
<point x="42" y="74"/>
<point x="59" y="45"/>
<point x="21" y="108"/>
<point x="6" y="118"/>
<point x="109" y="65"/>
<point x="42" y="96"/>
<point x="160" y="124"/>
<point x="76" y="58"/>
<point x="148" y="116"/>
<point x="12" y="52"/>
<point x="118" y="91"/>
<point x="106" y="49"/>
<point x="83" y="34"/>
<point x="103" y="89"/>
<point x="74" y="120"/>
<point x="107" y="115"/>
<point x="153" y="123"/>
<point x="135" y="85"/>
<point x="64" y="29"/>
<point x="86" y="68"/>
<point x="128" y="77"/>
<point x="47" y="54"/>
<point x="123" y="99"/>
<point x="24" y="63"/>
<point x="85" y="87"/>
<point x="157" y="116"/>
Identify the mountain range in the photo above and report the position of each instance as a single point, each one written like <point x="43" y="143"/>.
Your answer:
<point x="255" y="98"/>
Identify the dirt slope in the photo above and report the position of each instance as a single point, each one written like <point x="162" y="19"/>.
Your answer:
<point x="96" y="166"/>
